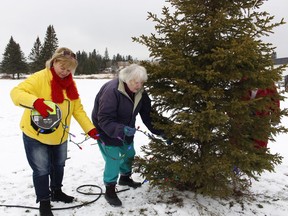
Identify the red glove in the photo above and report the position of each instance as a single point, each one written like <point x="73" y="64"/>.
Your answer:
<point x="94" y="134"/>
<point x="42" y="108"/>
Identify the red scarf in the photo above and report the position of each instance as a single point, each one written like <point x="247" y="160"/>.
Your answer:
<point x="58" y="85"/>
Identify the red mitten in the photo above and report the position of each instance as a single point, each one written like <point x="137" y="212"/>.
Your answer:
<point x="42" y="108"/>
<point x="93" y="134"/>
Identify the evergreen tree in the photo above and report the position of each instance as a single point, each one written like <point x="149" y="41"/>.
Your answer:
<point x="82" y="58"/>
<point x="118" y="58"/>
<point x="34" y="56"/>
<point x="203" y="49"/>
<point x="90" y="63"/>
<point x="129" y="58"/>
<point x="107" y="61"/>
<point x="13" y="61"/>
<point x="49" y="47"/>
<point x="106" y="55"/>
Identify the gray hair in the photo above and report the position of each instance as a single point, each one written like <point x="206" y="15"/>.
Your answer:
<point x="133" y="72"/>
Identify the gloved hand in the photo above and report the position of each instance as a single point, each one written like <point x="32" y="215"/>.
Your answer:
<point x="94" y="134"/>
<point x="128" y="131"/>
<point x="42" y="108"/>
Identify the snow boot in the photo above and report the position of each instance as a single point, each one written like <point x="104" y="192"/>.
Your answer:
<point x="127" y="180"/>
<point x="45" y="208"/>
<point x="58" y="195"/>
<point x="111" y="196"/>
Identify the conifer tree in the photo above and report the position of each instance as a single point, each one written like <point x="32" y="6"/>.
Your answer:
<point x="82" y="58"/>
<point x="35" y="55"/>
<point x="106" y="55"/>
<point x="118" y="58"/>
<point x="106" y="59"/>
<point x="13" y="61"/>
<point x="50" y="45"/>
<point x="92" y="62"/>
<point x="203" y="49"/>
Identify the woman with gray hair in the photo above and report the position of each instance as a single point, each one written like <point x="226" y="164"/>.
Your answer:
<point x="114" y="114"/>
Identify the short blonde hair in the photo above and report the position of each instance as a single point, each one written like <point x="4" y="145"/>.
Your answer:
<point x="65" y="56"/>
<point x="133" y="72"/>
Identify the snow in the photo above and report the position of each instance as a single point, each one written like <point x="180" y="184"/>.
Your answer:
<point x="268" y="196"/>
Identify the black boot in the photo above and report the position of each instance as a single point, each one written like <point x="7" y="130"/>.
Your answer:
<point x="58" y="195"/>
<point x="45" y="208"/>
<point x="111" y="196"/>
<point x="127" y="180"/>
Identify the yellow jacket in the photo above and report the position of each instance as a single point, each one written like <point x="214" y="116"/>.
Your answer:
<point x="38" y="86"/>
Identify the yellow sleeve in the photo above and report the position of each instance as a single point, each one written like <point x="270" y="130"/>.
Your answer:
<point x="81" y="117"/>
<point x="25" y="93"/>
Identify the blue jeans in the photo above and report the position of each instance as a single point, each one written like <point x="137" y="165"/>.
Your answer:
<point x="118" y="159"/>
<point x="46" y="161"/>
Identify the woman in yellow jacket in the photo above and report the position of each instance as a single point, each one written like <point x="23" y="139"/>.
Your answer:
<point x="46" y="150"/>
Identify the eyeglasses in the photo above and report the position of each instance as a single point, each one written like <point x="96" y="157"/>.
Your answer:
<point x="68" y="53"/>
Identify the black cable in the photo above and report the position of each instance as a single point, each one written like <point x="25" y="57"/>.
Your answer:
<point x="65" y="120"/>
<point x="74" y="206"/>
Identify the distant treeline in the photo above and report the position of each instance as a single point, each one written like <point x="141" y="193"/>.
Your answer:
<point x="15" y="63"/>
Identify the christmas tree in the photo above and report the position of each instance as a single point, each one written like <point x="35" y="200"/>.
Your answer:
<point x="207" y="55"/>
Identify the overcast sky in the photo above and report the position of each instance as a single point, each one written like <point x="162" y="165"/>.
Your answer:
<point x="98" y="24"/>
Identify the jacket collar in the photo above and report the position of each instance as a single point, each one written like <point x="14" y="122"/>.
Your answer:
<point x="137" y="97"/>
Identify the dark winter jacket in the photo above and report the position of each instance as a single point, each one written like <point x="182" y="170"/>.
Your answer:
<point x="114" y="109"/>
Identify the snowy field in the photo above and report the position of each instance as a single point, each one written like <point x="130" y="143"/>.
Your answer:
<point x="269" y="196"/>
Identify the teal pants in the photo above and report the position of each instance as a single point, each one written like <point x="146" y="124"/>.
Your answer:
<point x="118" y="159"/>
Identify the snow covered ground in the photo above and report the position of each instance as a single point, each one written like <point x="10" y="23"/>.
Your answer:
<point x="269" y="196"/>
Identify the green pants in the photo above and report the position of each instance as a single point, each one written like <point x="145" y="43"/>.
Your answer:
<point x="118" y="159"/>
